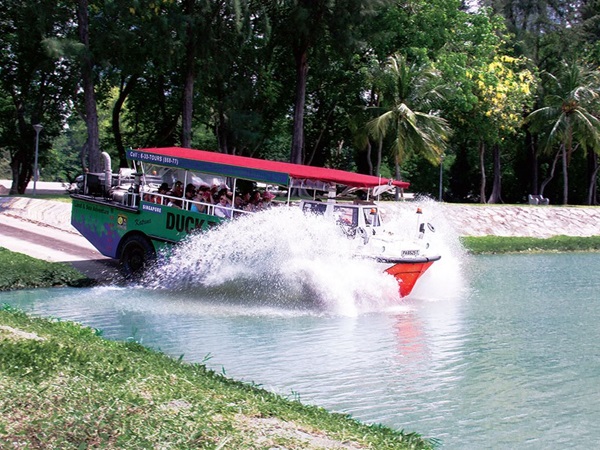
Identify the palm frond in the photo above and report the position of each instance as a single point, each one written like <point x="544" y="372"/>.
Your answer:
<point x="414" y="91"/>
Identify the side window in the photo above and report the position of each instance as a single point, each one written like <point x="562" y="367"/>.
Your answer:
<point x="346" y="215"/>
<point x="314" y="208"/>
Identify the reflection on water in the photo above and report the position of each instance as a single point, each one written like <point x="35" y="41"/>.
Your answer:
<point x="506" y="359"/>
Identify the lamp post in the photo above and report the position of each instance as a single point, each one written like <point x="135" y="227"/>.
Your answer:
<point x="37" y="127"/>
<point x="441" y="176"/>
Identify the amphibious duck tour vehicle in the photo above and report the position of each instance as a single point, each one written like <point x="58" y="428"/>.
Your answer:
<point x="132" y="214"/>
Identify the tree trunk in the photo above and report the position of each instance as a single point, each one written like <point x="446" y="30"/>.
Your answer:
<point x="87" y="76"/>
<point x="369" y="151"/>
<point x="124" y="92"/>
<point x="190" y="76"/>
<point x="221" y="131"/>
<point x="301" y="58"/>
<point x="398" y="176"/>
<point x="533" y="162"/>
<point x="496" y="195"/>
<point x="379" y="155"/>
<point x="482" y="197"/>
<point x="565" y="168"/>
<point x="21" y="173"/>
<point x="326" y="126"/>
<point x="552" y="170"/>
<point x="21" y="161"/>
<point x="593" y="173"/>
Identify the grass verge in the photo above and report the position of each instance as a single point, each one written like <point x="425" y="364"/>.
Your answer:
<point x="20" y="271"/>
<point x="63" y="386"/>
<point x="504" y="244"/>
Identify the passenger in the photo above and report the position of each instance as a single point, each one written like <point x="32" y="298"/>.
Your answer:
<point x="255" y="203"/>
<point x="238" y="202"/>
<point x="190" y="193"/>
<point x="245" y="199"/>
<point x="197" y="205"/>
<point x="162" y="190"/>
<point x="214" y="193"/>
<point x="148" y="197"/>
<point x="266" y="199"/>
<point x="177" y="191"/>
<point x="226" y="192"/>
<point x="202" y="200"/>
<point x="238" y="206"/>
<point x="223" y="208"/>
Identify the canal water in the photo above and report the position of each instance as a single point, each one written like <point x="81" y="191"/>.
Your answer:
<point x="494" y="352"/>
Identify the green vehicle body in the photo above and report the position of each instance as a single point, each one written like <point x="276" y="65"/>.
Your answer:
<point x="108" y="225"/>
<point x="118" y="221"/>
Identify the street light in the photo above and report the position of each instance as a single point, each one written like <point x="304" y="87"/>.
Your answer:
<point x="37" y="127"/>
<point x="441" y="172"/>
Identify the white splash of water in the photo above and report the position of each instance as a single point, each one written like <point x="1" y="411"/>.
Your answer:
<point x="284" y="258"/>
<point x="278" y="257"/>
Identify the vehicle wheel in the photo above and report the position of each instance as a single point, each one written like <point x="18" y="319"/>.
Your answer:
<point x="136" y="253"/>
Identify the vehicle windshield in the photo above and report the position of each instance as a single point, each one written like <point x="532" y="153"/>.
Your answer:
<point x="371" y="217"/>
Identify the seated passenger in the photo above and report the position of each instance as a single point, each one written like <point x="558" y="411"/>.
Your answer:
<point x="255" y="203"/>
<point x="223" y="208"/>
<point x="190" y="193"/>
<point x="147" y="197"/>
<point x="245" y="199"/>
<point x="238" y="202"/>
<point x="266" y="199"/>
<point x="201" y="201"/>
<point x="177" y="191"/>
<point x="162" y="190"/>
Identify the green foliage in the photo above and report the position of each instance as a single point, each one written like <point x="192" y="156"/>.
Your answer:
<point x="37" y="83"/>
<point x="21" y="271"/>
<point x="503" y="244"/>
<point x="5" y="173"/>
<point x="242" y="57"/>
<point x="568" y="119"/>
<point x="408" y="96"/>
<point x="62" y="386"/>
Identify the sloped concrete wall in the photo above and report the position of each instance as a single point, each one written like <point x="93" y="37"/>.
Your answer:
<point x="46" y="212"/>
<point x="527" y="221"/>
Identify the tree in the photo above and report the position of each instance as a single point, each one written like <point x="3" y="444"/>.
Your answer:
<point x="568" y="119"/>
<point x="408" y="116"/>
<point x="504" y="89"/>
<point x="90" y="113"/>
<point x="36" y="84"/>
<point x="303" y="25"/>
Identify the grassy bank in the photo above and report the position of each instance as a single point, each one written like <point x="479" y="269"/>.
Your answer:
<point x="63" y="386"/>
<point x="22" y="272"/>
<point x="503" y="244"/>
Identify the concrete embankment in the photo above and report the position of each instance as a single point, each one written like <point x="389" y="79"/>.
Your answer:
<point x="523" y="220"/>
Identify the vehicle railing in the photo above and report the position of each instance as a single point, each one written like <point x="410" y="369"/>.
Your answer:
<point x="186" y="204"/>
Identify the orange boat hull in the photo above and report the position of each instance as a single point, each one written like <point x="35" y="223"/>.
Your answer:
<point x="407" y="274"/>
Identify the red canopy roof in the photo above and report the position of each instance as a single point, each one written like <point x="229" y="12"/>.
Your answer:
<point x="253" y="168"/>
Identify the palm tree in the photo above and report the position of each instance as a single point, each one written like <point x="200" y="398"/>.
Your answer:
<point x="410" y="93"/>
<point x="567" y="118"/>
